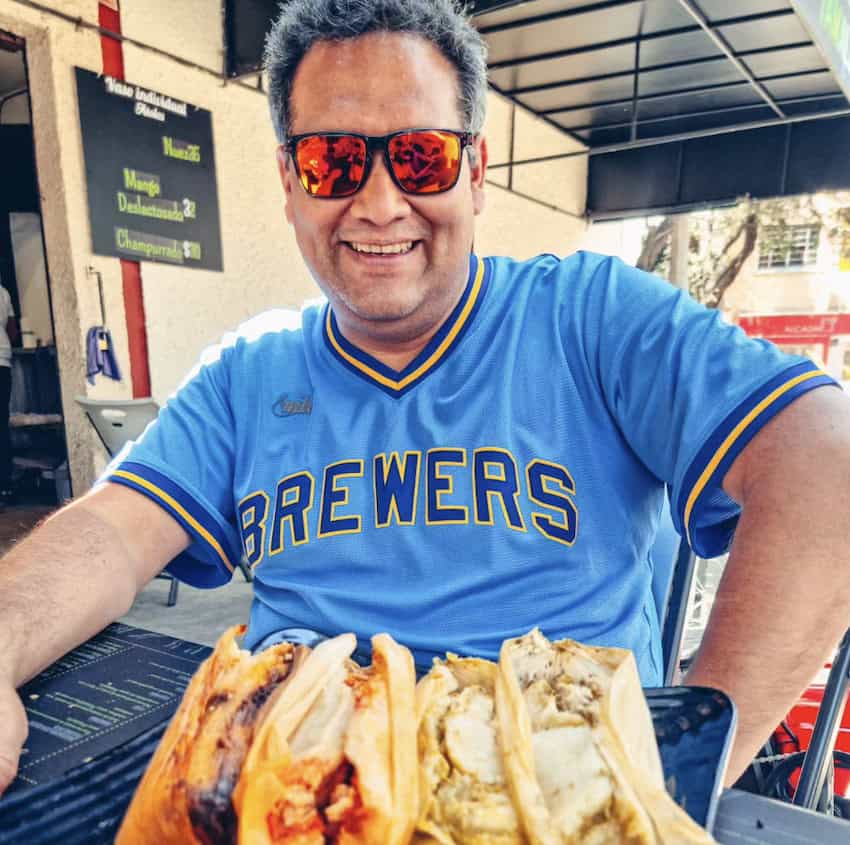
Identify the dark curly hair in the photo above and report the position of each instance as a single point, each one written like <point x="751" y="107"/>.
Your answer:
<point x="442" y="22"/>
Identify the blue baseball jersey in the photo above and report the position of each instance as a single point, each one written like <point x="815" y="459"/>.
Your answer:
<point x="512" y="475"/>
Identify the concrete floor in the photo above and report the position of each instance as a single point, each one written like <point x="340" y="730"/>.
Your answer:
<point x="199" y="615"/>
<point x="16" y="521"/>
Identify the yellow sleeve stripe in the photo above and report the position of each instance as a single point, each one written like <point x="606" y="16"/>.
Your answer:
<point x="733" y="436"/>
<point x="432" y="359"/>
<point x="177" y="508"/>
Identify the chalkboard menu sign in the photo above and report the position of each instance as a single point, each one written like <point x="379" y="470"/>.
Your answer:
<point x="150" y="172"/>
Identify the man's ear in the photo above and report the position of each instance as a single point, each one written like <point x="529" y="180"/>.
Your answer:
<point x="287" y="180"/>
<point x="478" y="169"/>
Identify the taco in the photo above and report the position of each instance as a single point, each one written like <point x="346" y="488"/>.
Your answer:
<point x="463" y="793"/>
<point x="580" y="754"/>
<point x="335" y="758"/>
<point x="185" y="793"/>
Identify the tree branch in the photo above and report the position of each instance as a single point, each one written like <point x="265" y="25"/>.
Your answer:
<point x="724" y="279"/>
<point x="654" y="243"/>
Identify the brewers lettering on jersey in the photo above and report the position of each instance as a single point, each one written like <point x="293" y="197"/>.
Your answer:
<point x="497" y="470"/>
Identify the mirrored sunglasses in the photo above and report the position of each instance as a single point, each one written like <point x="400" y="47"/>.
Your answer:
<point x="331" y="165"/>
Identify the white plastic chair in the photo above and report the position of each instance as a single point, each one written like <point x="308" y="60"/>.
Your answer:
<point x="117" y="422"/>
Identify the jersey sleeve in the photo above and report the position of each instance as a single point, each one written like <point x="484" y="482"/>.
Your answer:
<point x="184" y="462"/>
<point x="688" y="390"/>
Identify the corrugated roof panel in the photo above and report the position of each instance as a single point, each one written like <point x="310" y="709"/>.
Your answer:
<point x="803" y="86"/>
<point x="677" y="48"/>
<point x="592" y="116"/>
<point x="581" y="65"/>
<point x="577" y="31"/>
<point x="532" y="8"/>
<point x="665" y="14"/>
<point x="604" y="137"/>
<point x="690" y="101"/>
<point x="586" y="93"/>
<point x="785" y="61"/>
<point x="815" y="104"/>
<point x="687" y="76"/>
<point x="770" y="32"/>
<point x="716" y="10"/>
<point x="704" y="120"/>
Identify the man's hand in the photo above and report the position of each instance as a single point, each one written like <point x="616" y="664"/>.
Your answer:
<point x="13" y="719"/>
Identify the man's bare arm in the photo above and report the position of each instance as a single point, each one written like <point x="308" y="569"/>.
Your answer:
<point x="76" y="573"/>
<point x="784" y="600"/>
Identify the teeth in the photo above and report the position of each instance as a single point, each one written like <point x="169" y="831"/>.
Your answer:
<point x="383" y="249"/>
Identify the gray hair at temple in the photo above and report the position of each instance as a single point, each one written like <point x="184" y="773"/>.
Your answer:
<point x="302" y="23"/>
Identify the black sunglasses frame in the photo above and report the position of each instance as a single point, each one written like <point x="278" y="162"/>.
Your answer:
<point x="378" y="142"/>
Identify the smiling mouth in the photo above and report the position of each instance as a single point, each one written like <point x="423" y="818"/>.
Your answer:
<point x="398" y="248"/>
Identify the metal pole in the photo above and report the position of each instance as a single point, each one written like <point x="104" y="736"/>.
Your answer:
<point x="679" y="252"/>
<point x="818" y="758"/>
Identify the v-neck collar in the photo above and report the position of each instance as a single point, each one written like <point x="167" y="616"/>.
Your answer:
<point x="394" y="382"/>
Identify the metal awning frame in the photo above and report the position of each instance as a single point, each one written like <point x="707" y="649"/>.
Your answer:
<point x="832" y="104"/>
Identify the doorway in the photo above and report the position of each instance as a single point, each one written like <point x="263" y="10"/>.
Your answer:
<point x="39" y="450"/>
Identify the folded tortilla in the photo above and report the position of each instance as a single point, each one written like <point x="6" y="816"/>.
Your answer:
<point x="335" y="759"/>
<point x="185" y="793"/>
<point x="580" y="754"/>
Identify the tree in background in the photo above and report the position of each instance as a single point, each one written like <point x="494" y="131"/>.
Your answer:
<point x="722" y="239"/>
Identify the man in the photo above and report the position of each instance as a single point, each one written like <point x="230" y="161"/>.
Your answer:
<point x="8" y="334"/>
<point x="456" y="449"/>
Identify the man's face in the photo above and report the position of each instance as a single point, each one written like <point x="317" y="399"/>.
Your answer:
<point x="374" y="85"/>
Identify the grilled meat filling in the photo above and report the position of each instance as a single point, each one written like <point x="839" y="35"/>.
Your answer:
<point x="210" y="808"/>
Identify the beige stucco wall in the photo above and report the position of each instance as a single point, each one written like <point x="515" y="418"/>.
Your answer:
<point x="189" y="309"/>
<point x="512" y="225"/>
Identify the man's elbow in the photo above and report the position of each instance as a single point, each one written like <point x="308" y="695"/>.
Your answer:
<point x="143" y="536"/>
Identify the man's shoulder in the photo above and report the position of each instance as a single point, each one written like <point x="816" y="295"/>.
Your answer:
<point x="573" y="266"/>
<point x="273" y="328"/>
<point x="558" y="275"/>
<point x="274" y="323"/>
<point x="270" y="333"/>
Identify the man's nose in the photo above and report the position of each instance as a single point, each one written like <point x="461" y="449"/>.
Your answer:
<point x="380" y="201"/>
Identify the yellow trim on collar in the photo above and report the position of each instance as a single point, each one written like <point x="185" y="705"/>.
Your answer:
<point x="732" y="437"/>
<point x="173" y="503"/>
<point x="432" y="359"/>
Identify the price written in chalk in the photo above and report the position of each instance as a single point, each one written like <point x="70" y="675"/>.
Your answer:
<point x="190" y="209"/>
<point x="192" y="249"/>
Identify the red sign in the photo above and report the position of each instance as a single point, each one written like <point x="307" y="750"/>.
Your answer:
<point x="790" y="328"/>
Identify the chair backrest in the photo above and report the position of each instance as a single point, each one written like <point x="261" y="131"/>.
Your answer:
<point x="663" y="553"/>
<point x="118" y="421"/>
<point x="674" y="564"/>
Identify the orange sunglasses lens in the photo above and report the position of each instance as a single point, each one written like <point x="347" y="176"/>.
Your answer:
<point x="331" y="165"/>
<point x="425" y="162"/>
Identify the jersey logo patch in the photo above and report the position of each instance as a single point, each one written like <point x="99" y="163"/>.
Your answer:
<point x="288" y="406"/>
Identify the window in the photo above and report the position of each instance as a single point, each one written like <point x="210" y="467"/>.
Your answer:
<point x="788" y="246"/>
